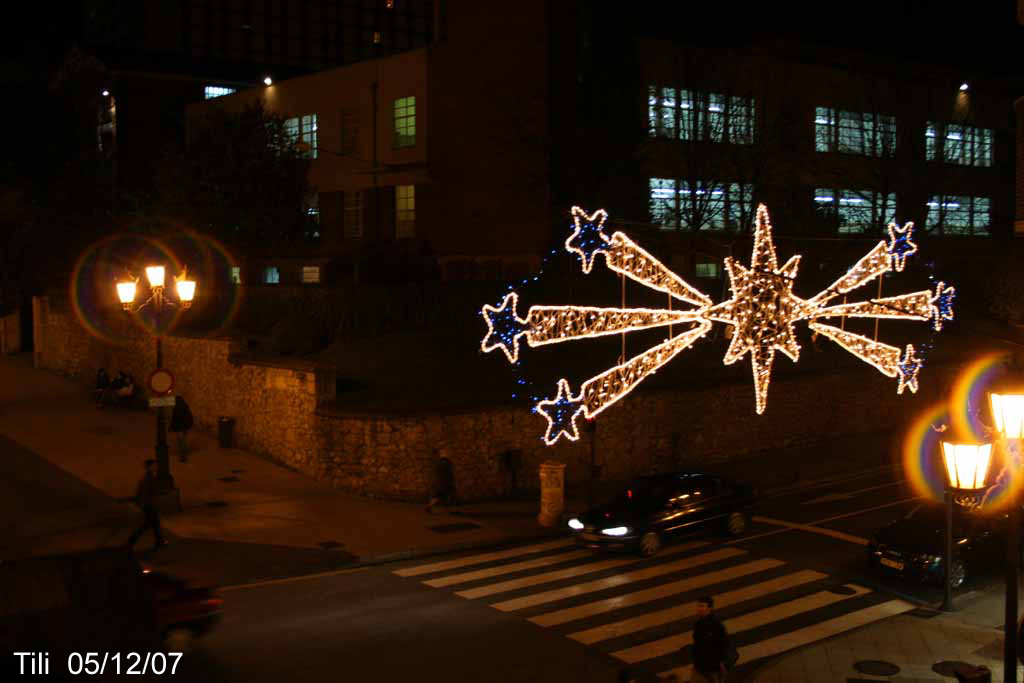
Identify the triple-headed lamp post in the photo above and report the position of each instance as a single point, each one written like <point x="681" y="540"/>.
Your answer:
<point x="186" y="291"/>
<point x="1008" y="416"/>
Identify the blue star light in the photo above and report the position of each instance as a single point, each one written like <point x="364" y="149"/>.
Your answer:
<point x="942" y="305"/>
<point x="561" y="413"/>
<point x="504" y="327"/>
<point x="900" y="245"/>
<point x="587" y="240"/>
<point x="908" y="369"/>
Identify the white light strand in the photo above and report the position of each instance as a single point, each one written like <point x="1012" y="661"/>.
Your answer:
<point x="603" y="390"/>
<point x="882" y="356"/>
<point x="914" y="306"/>
<point x="554" y="324"/>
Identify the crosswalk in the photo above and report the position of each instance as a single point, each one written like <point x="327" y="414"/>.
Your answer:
<point x="641" y="611"/>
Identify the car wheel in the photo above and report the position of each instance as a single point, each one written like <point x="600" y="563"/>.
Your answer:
<point x="650" y="544"/>
<point x="957" y="574"/>
<point x="735" y="523"/>
<point x="179" y="639"/>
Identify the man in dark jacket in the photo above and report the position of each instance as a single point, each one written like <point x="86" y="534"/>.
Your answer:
<point x="710" y="645"/>
<point x="144" y="498"/>
<point x="181" y="422"/>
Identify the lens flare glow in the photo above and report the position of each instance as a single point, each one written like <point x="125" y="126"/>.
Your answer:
<point x="969" y="397"/>
<point x="921" y="448"/>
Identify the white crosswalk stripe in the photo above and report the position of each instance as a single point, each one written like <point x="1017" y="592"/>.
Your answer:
<point x="642" y="611"/>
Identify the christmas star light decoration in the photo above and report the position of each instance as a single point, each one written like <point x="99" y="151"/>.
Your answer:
<point x="762" y="311"/>
<point x="561" y="413"/>
<point x="900" y="244"/>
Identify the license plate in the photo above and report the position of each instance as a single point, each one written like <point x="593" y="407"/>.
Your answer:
<point x="590" y="537"/>
<point x="895" y="564"/>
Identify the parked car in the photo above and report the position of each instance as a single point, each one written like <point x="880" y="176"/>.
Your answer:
<point x="913" y="546"/>
<point x="654" y="508"/>
<point x="102" y="600"/>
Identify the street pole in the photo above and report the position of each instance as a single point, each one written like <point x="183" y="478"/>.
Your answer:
<point x="164" y="480"/>
<point x="1012" y="578"/>
<point x="947" y="600"/>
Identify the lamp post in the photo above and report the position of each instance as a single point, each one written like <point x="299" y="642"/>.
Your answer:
<point x="186" y="290"/>
<point x="1008" y="416"/>
<point x="967" y="467"/>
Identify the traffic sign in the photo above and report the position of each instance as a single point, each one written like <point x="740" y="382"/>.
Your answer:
<point x="162" y="401"/>
<point x="161" y="382"/>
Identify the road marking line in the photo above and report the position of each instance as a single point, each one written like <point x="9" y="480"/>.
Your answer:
<point x="680" y="612"/>
<point x="616" y="580"/>
<point x="513" y="584"/>
<point x="813" y="529"/>
<point x="480" y="559"/>
<point x="657" y="592"/>
<point x="507" y="568"/>
<point x="292" y="579"/>
<point x="813" y="633"/>
<point x="745" y="622"/>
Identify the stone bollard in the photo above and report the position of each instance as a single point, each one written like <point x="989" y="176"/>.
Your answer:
<point x="552" y="493"/>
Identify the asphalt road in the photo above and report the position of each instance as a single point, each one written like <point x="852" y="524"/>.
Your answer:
<point x="551" y="613"/>
<point x="536" y="613"/>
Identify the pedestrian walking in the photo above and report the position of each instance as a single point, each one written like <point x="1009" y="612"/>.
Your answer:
<point x="145" y="494"/>
<point x="713" y="654"/>
<point x="444" y="485"/>
<point x="181" y="422"/>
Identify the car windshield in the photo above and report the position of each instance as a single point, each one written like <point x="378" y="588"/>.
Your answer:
<point x="645" y="495"/>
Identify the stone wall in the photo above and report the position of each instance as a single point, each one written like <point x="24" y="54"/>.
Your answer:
<point x="284" y="410"/>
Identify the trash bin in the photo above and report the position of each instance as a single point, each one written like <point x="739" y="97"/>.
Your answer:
<point x="225" y="431"/>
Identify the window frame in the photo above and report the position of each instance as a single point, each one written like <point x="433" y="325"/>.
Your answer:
<point x="880" y="212"/>
<point x="970" y="228"/>
<point x="858" y="133"/>
<point x="405" y="228"/>
<point x="403" y="123"/>
<point x="727" y="216"/>
<point x="303" y="129"/>
<point x="697" y="115"/>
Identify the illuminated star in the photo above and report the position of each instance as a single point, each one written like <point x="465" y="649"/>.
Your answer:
<point x="561" y="413"/>
<point x="762" y="309"/>
<point x="900" y="245"/>
<point x="942" y="304"/>
<point x="504" y="327"/>
<point x="587" y="240"/>
<point x="908" y="369"/>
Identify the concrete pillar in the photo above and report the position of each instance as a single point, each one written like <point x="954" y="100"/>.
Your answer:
<point x="552" y="492"/>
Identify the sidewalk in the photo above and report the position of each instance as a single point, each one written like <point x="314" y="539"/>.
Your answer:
<point x="914" y="642"/>
<point x="228" y="495"/>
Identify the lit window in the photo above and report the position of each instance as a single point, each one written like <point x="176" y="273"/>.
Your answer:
<point x="708" y="269"/>
<point x="959" y="215"/>
<point x="405" y="122"/>
<point x="693" y="115"/>
<point x="376" y="37"/>
<point x="212" y="91"/>
<point x="236" y="275"/>
<point x="856" y="211"/>
<point x="353" y="214"/>
<point x="405" y="211"/>
<point x="865" y="133"/>
<point x="310" y="274"/>
<point x="957" y="144"/>
<point x="302" y="132"/>
<point x="702" y="206"/>
<point x="271" y="275"/>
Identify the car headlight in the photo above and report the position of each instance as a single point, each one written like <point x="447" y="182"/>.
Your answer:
<point x="929" y="560"/>
<point x="615" y="531"/>
<point x="575" y="524"/>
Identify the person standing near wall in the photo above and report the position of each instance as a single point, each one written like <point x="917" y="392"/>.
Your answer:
<point x="444" y="484"/>
<point x="181" y="422"/>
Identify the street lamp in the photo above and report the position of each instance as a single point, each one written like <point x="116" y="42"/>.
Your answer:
<point x="967" y="467"/>
<point x="186" y="290"/>
<point x="1008" y="416"/>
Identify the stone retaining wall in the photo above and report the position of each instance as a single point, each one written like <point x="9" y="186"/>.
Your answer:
<point x="284" y="410"/>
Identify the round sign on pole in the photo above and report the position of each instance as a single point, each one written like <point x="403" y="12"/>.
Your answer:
<point x="161" y="382"/>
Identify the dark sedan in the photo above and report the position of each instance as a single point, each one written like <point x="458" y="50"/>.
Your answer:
<point x="655" y="508"/>
<point x="913" y="546"/>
